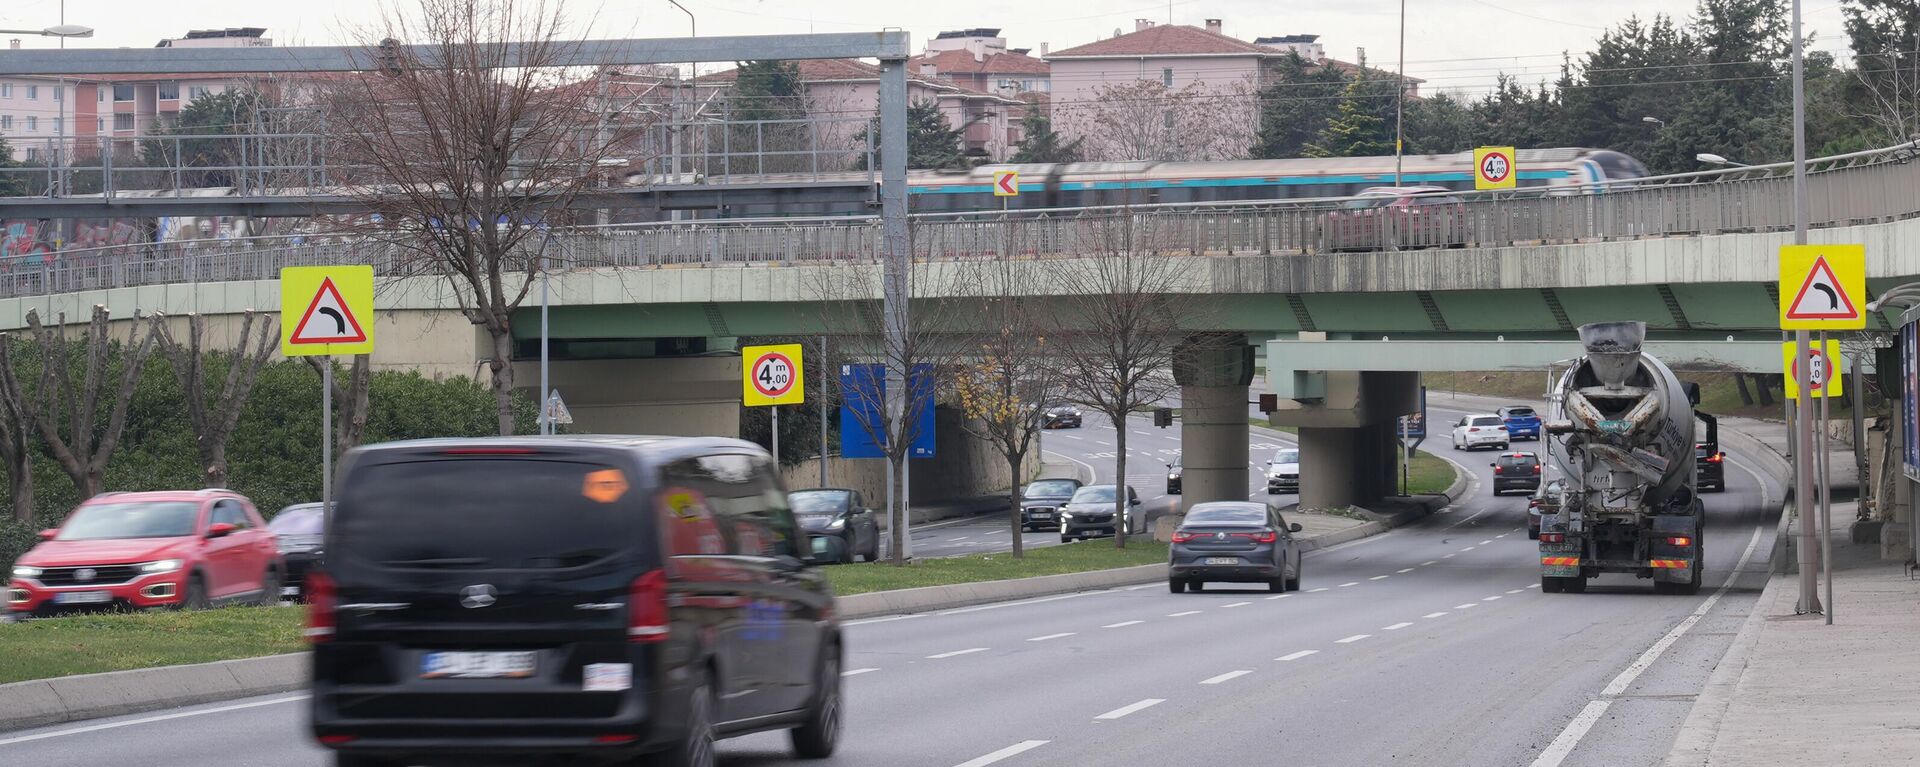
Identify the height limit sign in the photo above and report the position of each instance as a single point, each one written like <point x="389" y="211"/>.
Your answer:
<point x="1494" y="167"/>
<point x="772" y="375"/>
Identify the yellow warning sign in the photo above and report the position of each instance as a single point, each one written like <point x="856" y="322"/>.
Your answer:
<point x="1823" y="287"/>
<point x="326" y="310"/>
<point x="1824" y="378"/>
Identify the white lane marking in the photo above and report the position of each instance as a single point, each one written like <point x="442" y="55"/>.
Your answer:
<point x="888" y="619"/>
<point x="1296" y="655"/>
<point x="1396" y="627"/>
<point x="1131" y="708"/>
<point x="1142" y="586"/>
<point x="1428" y="562"/>
<point x="1349" y="583"/>
<point x="1103" y="444"/>
<point x="1236" y="604"/>
<point x="1227" y="677"/>
<point x="1282" y="596"/>
<point x="1469" y="548"/>
<point x="1183" y="614"/>
<point x="982" y="608"/>
<point x="1318" y="590"/>
<point x="149" y="720"/>
<point x="1533" y="585"/>
<point x="1381" y="577"/>
<point x="1352" y="639"/>
<point x="961" y="538"/>
<point x="1122" y="624"/>
<point x="1051" y="637"/>
<point x="956" y="653"/>
<point x="1466" y="606"/>
<point x="1503" y="535"/>
<point x="1487" y="541"/>
<point x="1491" y="598"/>
<point x="858" y="671"/>
<point x="1404" y="570"/>
<point x="1561" y="746"/>
<point x="1142" y="433"/>
<point x="1070" y="436"/>
<point x="1449" y="556"/>
<point x="1010" y="751"/>
<point x="1515" y="591"/>
<point x="1434" y="615"/>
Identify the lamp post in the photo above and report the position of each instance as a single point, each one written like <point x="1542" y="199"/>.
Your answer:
<point x="58" y="30"/>
<point x="1651" y="120"/>
<point x="1714" y="159"/>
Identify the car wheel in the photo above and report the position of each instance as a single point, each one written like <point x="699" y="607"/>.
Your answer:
<point x="846" y="550"/>
<point x="1277" y="585"/>
<point x="1197" y="584"/>
<point x="1575" y="585"/>
<point x="1064" y="538"/>
<point x="270" y="588"/>
<point x="816" y="737"/>
<point x="1551" y="584"/>
<point x="1505" y="445"/>
<point x="694" y="748"/>
<point x="1176" y="586"/>
<point x="196" y="597"/>
<point x="1533" y="535"/>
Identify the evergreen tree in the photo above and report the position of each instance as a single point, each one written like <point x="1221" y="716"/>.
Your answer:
<point x="931" y="142"/>
<point x="1357" y="129"/>
<point x="1039" y="143"/>
<point x="768" y="90"/>
<point x="1439" y="124"/>
<point x="225" y="114"/>
<point x="12" y="182"/>
<point x="1296" y="107"/>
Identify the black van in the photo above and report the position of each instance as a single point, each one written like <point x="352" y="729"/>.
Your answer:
<point x="578" y="599"/>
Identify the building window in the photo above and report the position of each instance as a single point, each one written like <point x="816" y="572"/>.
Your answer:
<point x="6" y="90"/>
<point x="99" y="124"/>
<point x="100" y="92"/>
<point x="33" y="124"/>
<point x="1166" y="77"/>
<point x="6" y="122"/>
<point x="123" y="93"/>
<point x="33" y="93"/>
<point x="59" y="126"/>
<point x="59" y="93"/>
<point x="196" y="91"/>
<point x="123" y="121"/>
<point x="33" y="154"/>
<point x="170" y="91"/>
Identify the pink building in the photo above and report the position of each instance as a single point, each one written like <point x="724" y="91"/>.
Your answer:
<point x="979" y="59"/>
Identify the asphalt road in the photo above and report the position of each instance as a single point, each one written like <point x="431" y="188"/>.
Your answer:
<point x="1091" y="449"/>
<point x="1429" y="645"/>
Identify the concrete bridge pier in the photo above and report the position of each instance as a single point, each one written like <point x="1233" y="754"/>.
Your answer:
<point x="1347" y="423"/>
<point x="1214" y="371"/>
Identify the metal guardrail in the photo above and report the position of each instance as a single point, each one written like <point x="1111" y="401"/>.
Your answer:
<point x="1883" y="190"/>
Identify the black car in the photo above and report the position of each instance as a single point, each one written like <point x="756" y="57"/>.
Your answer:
<point x="1710" y="468"/>
<point x="297" y="531"/>
<point x="578" y="600"/>
<point x="1061" y="417"/>
<point x="1544" y="503"/>
<point x="841" y="524"/>
<point x="1174" y="473"/>
<point x="1515" y="471"/>
<point x="1089" y="513"/>
<point x="1236" y="542"/>
<point x="1040" y="503"/>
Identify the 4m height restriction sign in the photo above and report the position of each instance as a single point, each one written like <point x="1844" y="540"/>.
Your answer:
<point x="1823" y="287"/>
<point x="772" y="375"/>
<point x="1494" y="167"/>
<point x="326" y="310"/>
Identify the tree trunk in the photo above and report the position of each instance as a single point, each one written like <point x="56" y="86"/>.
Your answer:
<point x="353" y="415"/>
<point x="20" y="484"/>
<point x="896" y="512"/>
<point x="217" y="465"/>
<point x="1740" y="383"/>
<point x="1013" y="505"/>
<point x="1762" y="390"/>
<point x="502" y="366"/>
<point x="1120" y="483"/>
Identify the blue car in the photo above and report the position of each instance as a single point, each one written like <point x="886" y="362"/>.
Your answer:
<point x="1522" y="422"/>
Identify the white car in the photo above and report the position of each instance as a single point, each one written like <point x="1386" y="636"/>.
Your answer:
<point x="1283" y="472"/>
<point x="1482" y="430"/>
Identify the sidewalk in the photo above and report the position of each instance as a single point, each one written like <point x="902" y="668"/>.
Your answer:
<point x="1793" y="690"/>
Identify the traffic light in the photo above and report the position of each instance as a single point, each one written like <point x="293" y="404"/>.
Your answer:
<point x="1163" y="417"/>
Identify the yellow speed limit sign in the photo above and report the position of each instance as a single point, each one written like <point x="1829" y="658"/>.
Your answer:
<point x="1494" y="167"/>
<point x="772" y="375"/>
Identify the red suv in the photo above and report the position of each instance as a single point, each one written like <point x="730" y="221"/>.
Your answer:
<point x="141" y="550"/>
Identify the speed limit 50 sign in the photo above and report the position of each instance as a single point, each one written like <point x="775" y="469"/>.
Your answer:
<point x="772" y="375"/>
<point x="1494" y="167"/>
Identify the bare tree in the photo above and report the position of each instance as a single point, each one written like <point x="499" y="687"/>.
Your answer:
<point x="470" y="150"/>
<point x="16" y="426"/>
<point x="84" y="449"/>
<point x="1119" y="323"/>
<point x="1006" y="373"/>
<point x="350" y="399"/>
<point x="1146" y="120"/>
<point x="213" y="422"/>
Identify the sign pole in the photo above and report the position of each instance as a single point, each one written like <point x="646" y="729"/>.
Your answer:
<point x="1832" y="370"/>
<point x="1803" y="418"/>
<point x="776" y="437"/>
<point x="823" y="415"/>
<point x="326" y="435"/>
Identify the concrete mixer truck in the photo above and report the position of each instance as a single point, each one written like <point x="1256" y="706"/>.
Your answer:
<point x="1621" y="427"/>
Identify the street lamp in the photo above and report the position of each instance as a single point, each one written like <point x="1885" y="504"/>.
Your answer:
<point x="1651" y="120"/>
<point x="1714" y="159"/>
<point x="61" y="30"/>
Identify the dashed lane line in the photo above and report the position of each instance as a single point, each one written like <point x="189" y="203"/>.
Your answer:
<point x="1132" y="708"/>
<point x="956" y="653"/>
<point x="1122" y="624"/>
<point x="858" y="671"/>
<point x="1227" y="677"/>
<point x="1352" y="639"/>
<point x="1005" y="753"/>
<point x="1395" y="627"/>
<point x="1051" y="637"/>
<point x="1293" y="656"/>
<point x="1435" y="614"/>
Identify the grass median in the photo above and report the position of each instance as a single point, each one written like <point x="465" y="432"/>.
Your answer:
<point x="1097" y="554"/>
<point x="119" y="641"/>
<point x="1429" y="474"/>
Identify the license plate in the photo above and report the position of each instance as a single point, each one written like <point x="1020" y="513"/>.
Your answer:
<point x="476" y="665"/>
<point x="289" y="591"/>
<point x="1223" y="560"/>
<point x="82" y="597"/>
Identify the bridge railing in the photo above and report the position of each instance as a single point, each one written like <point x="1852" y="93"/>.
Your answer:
<point x="1864" y="193"/>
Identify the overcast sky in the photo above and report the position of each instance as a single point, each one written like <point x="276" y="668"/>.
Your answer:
<point x="1455" y="44"/>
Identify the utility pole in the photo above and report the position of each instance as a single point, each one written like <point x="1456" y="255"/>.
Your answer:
<point x="1803" y="492"/>
<point x="1400" y="97"/>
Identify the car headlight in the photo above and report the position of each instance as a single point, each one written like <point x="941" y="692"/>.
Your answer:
<point x="1173" y="476"/>
<point x="837" y="525"/>
<point x="23" y="571"/>
<point x="161" y="566"/>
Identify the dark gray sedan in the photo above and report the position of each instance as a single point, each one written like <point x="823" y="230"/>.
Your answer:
<point x="1041" y="501"/>
<point x="1233" y="542"/>
<point x="841" y="524"/>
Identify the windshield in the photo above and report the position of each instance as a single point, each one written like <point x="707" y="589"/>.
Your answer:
<point x="1487" y="421"/>
<point x="1286" y="456"/>
<point x="299" y="520"/>
<point x="1524" y="460"/>
<point x="165" y="519"/>
<point x="1228" y="515"/>
<point x="1050" y="488"/>
<point x="1094" y="494"/>
<point x="819" y="501"/>
<point x="1519" y="412"/>
<point x="486" y="513"/>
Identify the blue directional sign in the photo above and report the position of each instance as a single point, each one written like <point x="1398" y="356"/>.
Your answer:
<point x="864" y="393"/>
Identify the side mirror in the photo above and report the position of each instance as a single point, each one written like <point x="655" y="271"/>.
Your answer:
<point x="1294" y="528"/>
<point x="1495" y="465"/>
<point x="221" y="530"/>
<point x="49" y="533"/>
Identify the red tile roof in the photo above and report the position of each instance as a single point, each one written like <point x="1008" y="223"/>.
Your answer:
<point x="956" y="62"/>
<point x="1166" y="41"/>
<point x="839" y="70"/>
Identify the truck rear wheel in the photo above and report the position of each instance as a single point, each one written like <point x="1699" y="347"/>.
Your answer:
<point x="1551" y="584"/>
<point x="1574" y="585"/>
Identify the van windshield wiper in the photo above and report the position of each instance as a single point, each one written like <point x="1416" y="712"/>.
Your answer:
<point x="441" y="562"/>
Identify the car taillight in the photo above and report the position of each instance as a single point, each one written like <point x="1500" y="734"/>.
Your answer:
<point x="322" y="597"/>
<point x="1679" y="540"/>
<point x="1472" y="429"/>
<point x="1536" y="468"/>
<point x="1716" y="457"/>
<point x="1497" y="470"/>
<point x="647" y="615"/>
<point x="1182" y="536"/>
<point x="1553" y="538"/>
<point x="1265" y="537"/>
<point x="1533" y="503"/>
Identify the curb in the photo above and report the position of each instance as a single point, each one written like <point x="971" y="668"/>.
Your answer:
<point x="41" y="702"/>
